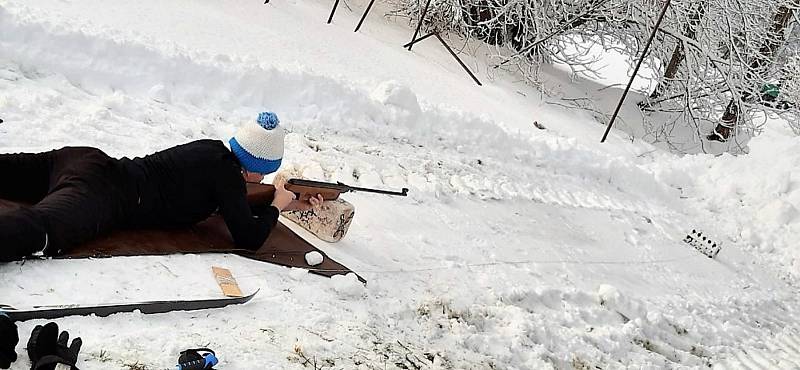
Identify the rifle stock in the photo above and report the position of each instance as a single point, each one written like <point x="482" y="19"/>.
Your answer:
<point x="304" y="192"/>
<point x="259" y="194"/>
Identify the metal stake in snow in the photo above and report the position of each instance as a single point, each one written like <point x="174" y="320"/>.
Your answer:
<point x="636" y="70"/>
<point x="333" y="11"/>
<point x="364" y="16"/>
<point x="419" y="25"/>
<point x="435" y="32"/>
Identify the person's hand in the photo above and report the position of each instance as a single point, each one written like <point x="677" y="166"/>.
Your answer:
<point x="47" y="347"/>
<point x="304" y="205"/>
<point x="282" y="197"/>
<point x="9" y="337"/>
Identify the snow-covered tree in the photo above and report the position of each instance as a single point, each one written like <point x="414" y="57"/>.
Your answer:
<point x="722" y="61"/>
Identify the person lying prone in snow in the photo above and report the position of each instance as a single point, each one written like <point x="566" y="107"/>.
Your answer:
<point x="80" y="193"/>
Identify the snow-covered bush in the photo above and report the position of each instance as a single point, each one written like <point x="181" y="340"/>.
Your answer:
<point x="718" y="60"/>
<point x="731" y="66"/>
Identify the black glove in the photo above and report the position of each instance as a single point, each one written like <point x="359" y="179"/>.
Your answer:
<point x="8" y="341"/>
<point x="47" y="348"/>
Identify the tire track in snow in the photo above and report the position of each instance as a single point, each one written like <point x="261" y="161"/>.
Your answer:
<point x="780" y="350"/>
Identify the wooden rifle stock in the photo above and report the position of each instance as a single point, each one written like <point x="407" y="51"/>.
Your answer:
<point x="258" y="193"/>
<point x="305" y="189"/>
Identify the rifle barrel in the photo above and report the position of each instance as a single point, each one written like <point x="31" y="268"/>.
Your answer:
<point x="402" y="193"/>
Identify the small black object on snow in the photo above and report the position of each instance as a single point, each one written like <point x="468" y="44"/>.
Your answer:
<point x="705" y="246"/>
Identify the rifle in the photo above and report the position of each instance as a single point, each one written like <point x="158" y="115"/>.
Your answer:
<point x="258" y="193"/>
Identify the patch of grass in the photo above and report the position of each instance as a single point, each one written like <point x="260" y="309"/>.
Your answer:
<point x="679" y="330"/>
<point x="644" y="343"/>
<point x="310" y="361"/>
<point x="135" y="366"/>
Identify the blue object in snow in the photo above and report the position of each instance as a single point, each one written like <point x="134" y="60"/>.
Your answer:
<point x="208" y="361"/>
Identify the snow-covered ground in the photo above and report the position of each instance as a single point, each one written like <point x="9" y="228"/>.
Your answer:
<point x="518" y="248"/>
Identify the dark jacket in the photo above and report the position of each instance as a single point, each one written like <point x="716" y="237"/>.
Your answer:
<point x="183" y="185"/>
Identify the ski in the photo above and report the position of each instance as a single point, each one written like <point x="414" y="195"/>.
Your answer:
<point x="151" y="307"/>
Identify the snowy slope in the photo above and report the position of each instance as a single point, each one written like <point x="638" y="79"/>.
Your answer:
<point x="518" y="248"/>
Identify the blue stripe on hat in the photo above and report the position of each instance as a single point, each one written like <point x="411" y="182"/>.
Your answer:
<point x="252" y="163"/>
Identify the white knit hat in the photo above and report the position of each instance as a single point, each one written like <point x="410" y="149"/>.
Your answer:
<point x="259" y="144"/>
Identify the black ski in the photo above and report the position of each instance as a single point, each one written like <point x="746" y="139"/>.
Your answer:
<point x="54" y="312"/>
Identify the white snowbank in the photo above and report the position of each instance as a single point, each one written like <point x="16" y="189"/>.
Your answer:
<point x="754" y="198"/>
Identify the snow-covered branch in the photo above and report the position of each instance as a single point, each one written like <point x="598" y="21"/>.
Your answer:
<point x="726" y="60"/>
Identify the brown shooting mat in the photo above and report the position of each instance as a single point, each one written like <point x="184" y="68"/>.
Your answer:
<point x="283" y="246"/>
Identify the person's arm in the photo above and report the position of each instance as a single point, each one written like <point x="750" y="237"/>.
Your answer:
<point x="248" y="227"/>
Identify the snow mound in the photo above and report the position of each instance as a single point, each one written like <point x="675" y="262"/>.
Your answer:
<point x="348" y="286"/>
<point x="613" y="299"/>
<point x="755" y="196"/>
<point x="394" y="94"/>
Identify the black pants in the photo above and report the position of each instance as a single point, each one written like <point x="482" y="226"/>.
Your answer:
<point x="72" y="195"/>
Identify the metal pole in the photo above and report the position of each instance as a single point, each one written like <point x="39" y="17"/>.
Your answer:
<point x="419" y="39"/>
<point x="636" y="70"/>
<point x="330" y="18"/>
<point x="458" y="59"/>
<point x="419" y="25"/>
<point x="365" y="15"/>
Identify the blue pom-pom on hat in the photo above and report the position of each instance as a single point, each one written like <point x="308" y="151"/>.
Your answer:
<point x="259" y="145"/>
<point x="268" y="120"/>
